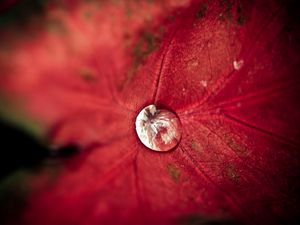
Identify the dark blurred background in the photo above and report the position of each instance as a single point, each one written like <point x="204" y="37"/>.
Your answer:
<point x="18" y="150"/>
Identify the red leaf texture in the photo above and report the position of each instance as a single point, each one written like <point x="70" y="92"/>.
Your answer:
<point x="229" y="69"/>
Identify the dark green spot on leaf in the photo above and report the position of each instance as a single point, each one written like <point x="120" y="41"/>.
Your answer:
<point x="87" y="74"/>
<point x="56" y="26"/>
<point x="202" y="11"/>
<point x="173" y="172"/>
<point x="144" y="46"/>
<point x="235" y="146"/>
<point x="232" y="173"/>
<point x="196" y="146"/>
<point x="241" y="19"/>
<point x="226" y="5"/>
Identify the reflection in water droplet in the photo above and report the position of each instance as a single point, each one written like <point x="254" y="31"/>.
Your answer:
<point x="158" y="129"/>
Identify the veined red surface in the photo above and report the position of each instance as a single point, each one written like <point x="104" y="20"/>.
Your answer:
<point x="229" y="69"/>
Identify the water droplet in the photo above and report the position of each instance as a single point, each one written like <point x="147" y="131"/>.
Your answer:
<point x="237" y="65"/>
<point x="158" y="129"/>
<point x="204" y="83"/>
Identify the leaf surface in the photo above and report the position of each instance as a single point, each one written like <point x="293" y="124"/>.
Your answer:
<point x="229" y="69"/>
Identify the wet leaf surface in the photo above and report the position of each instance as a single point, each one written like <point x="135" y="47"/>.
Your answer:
<point x="229" y="69"/>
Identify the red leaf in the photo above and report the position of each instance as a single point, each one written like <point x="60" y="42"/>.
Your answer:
<point x="229" y="69"/>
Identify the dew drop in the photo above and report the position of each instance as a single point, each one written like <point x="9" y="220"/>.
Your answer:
<point x="158" y="129"/>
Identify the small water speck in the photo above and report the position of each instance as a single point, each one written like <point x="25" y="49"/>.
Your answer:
<point x="237" y="65"/>
<point x="204" y="83"/>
